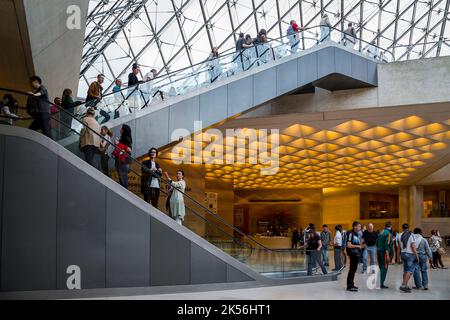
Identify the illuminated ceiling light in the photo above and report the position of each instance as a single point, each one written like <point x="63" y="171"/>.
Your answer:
<point x="366" y="155"/>
<point x="408" y="123"/>
<point x="441" y="136"/>
<point x="309" y="161"/>
<point x="326" y="135"/>
<point x="398" y="137"/>
<point x="417" y="143"/>
<point x="327" y="157"/>
<point x="352" y="126"/>
<point x="326" y="147"/>
<point x="375" y="133"/>
<point x="303" y="143"/>
<point x="430" y="129"/>
<point x="347" y="151"/>
<point x="298" y="130"/>
<point x="345" y="160"/>
<point x="407" y="153"/>
<point x="306" y="154"/>
<point x="423" y="156"/>
<point x="285" y="139"/>
<point x="390" y="149"/>
<point x="364" y="163"/>
<point x="434" y="147"/>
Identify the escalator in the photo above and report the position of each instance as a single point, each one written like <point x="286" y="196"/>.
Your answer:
<point x="76" y="216"/>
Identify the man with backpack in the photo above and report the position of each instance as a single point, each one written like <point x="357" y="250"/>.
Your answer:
<point x="410" y="258"/>
<point x="354" y="248"/>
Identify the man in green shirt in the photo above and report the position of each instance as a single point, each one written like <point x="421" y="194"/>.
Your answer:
<point x="384" y="248"/>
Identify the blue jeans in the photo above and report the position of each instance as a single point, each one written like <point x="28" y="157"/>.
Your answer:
<point x="369" y="252"/>
<point x="408" y="262"/>
<point x="313" y="258"/>
<point x="421" y="270"/>
<point x="325" y="255"/>
<point x="123" y="170"/>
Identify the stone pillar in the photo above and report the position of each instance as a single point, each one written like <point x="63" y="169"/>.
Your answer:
<point x="415" y="206"/>
<point x="403" y="206"/>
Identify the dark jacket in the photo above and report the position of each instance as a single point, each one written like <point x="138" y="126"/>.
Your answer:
<point x="40" y="104"/>
<point x="147" y="176"/>
<point x="69" y="105"/>
<point x="133" y="80"/>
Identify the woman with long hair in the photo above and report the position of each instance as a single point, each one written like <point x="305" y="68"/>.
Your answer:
<point x="105" y="148"/>
<point x="122" y="154"/>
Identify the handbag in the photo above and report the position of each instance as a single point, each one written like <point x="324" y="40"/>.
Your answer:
<point x="119" y="154"/>
<point x="441" y="251"/>
<point x="168" y="200"/>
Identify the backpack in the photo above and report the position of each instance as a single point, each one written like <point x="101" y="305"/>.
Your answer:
<point x="344" y="239"/>
<point x="349" y="237"/>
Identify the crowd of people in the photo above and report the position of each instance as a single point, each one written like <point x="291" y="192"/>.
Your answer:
<point x="96" y="141"/>
<point x="367" y="248"/>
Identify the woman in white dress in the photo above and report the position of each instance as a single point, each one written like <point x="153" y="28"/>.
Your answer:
<point x="177" y="210"/>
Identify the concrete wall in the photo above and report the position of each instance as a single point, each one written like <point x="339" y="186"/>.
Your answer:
<point x="72" y="214"/>
<point x="56" y="50"/>
<point x="399" y="83"/>
<point x="341" y="209"/>
<point x="16" y="62"/>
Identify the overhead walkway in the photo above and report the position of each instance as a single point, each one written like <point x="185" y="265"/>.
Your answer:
<point x="223" y="88"/>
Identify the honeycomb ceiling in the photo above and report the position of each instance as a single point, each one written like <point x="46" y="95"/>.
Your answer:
<point x="352" y="153"/>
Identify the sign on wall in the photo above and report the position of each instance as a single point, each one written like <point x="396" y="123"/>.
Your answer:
<point x="211" y="201"/>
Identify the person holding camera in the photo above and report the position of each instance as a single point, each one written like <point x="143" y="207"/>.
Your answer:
<point x="354" y="249"/>
<point x="409" y="254"/>
<point x="436" y="249"/>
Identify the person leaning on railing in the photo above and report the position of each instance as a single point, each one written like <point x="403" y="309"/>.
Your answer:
<point x="69" y="105"/>
<point x="292" y="34"/>
<point x="94" y="96"/>
<point x="38" y="107"/>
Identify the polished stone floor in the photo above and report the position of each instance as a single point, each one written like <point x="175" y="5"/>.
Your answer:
<point x="439" y="289"/>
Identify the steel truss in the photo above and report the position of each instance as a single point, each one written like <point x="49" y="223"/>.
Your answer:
<point x="172" y="34"/>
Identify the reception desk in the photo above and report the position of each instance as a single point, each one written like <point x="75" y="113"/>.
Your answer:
<point x="274" y="242"/>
